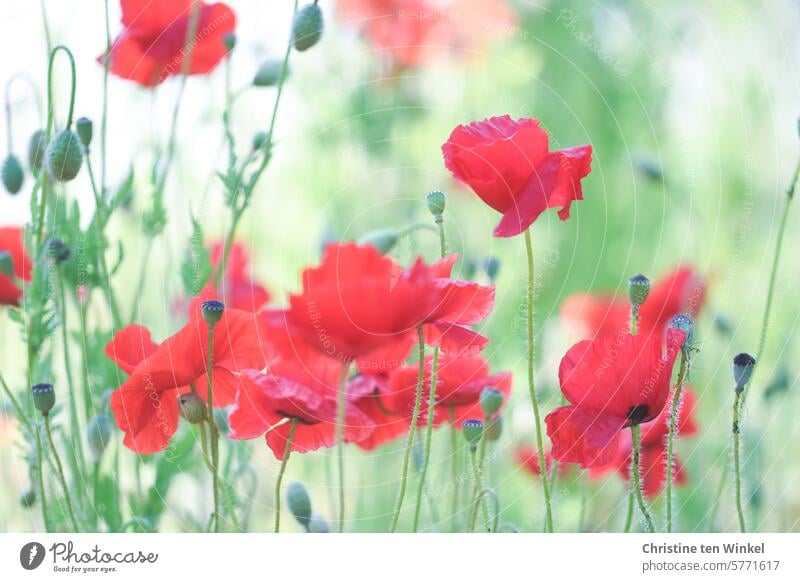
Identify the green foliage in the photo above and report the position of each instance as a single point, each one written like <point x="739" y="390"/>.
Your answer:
<point x="196" y="268"/>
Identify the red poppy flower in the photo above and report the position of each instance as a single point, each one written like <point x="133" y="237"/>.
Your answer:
<point x="411" y="31"/>
<point x="11" y="242"/>
<point x="654" y="449"/>
<point x="145" y="405"/>
<point x="151" y="46"/>
<point x="266" y="402"/>
<point x="611" y="382"/>
<point x="508" y="164"/>
<point x="237" y="289"/>
<point x="528" y="458"/>
<point x="359" y="301"/>
<point x="592" y="315"/>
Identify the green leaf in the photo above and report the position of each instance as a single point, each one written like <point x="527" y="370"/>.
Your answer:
<point x="196" y="268"/>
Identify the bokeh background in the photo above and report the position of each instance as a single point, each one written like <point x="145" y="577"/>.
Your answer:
<point x="691" y="108"/>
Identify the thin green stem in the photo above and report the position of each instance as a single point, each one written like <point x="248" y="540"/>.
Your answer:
<point x="736" y="463"/>
<point x="287" y="450"/>
<point x="428" y="437"/>
<point x="104" y="114"/>
<point x="477" y="498"/>
<point x="723" y="478"/>
<point x="412" y="431"/>
<point x="75" y="436"/>
<point x="23" y="418"/>
<point x="532" y="382"/>
<point x="212" y="426"/>
<point x="673" y="427"/>
<point x="40" y="480"/>
<point x="61" y="477"/>
<point x="454" y="453"/>
<point x="341" y="418"/>
<point x="442" y="237"/>
<point x="636" y="478"/>
<point x="629" y="514"/>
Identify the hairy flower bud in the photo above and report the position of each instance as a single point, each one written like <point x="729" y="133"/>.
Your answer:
<point x="683" y="323"/>
<point x="12" y="174"/>
<point x="213" y="311"/>
<point x="299" y="503"/>
<point x="44" y="398"/>
<point x="491" y="400"/>
<point x="384" y="239"/>
<point x="36" y="147"/>
<point x="742" y="370"/>
<point x="98" y="433"/>
<point x="492" y="267"/>
<point x="436" y="202"/>
<point x="269" y="73"/>
<point x="28" y="497"/>
<point x="63" y="157"/>
<point x="59" y="252"/>
<point x="307" y="27"/>
<point x="192" y="408"/>
<point x="85" y="129"/>
<point x="473" y="430"/>
<point x="638" y="289"/>
<point x="229" y="40"/>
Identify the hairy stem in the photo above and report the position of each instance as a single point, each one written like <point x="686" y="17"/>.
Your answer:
<point x="287" y="450"/>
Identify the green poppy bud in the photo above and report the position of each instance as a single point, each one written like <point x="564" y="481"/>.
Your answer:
<point x="492" y="267"/>
<point x="473" y="430"/>
<point x="6" y="263"/>
<point x="63" y="157"/>
<point x="299" y="503"/>
<point x="436" y="202"/>
<point x="743" y="365"/>
<point x="269" y="73"/>
<point x="12" y="174"/>
<point x="192" y="408"/>
<point x="307" y="27"/>
<point x="491" y="400"/>
<point x="638" y="289"/>
<point x="98" y="433"/>
<point x="213" y="311"/>
<point x="683" y="323"/>
<point x="494" y="429"/>
<point x="229" y="40"/>
<point x="59" y="252"/>
<point x="384" y="239"/>
<point x="84" y="128"/>
<point x="259" y="139"/>
<point x="221" y="420"/>
<point x="44" y="398"/>
<point x="36" y="147"/>
<point x="28" y="497"/>
<point x="318" y="524"/>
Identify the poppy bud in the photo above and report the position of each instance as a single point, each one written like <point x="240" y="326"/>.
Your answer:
<point x="491" y="400"/>
<point x="212" y="311"/>
<point x="6" y="263"/>
<point x="683" y="323"/>
<point x="418" y="455"/>
<point x="36" y="147"/>
<point x="44" y="398"/>
<point x="221" y="420"/>
<point x="472" y="429"/>
<point x="494" y="429"/>
<point x="723" y="325"/>
<point x="383" y="239"/>
<point x="98" y="432"/>
<point x="28" y="497"/>
<point x="84" y="128"/>
<point x="638" y="289"/>
<point x="742" y="370"/>
<point x="318" y="524"/>
<point x="12" y="174"/>
<point x="269" y="73"/>
<point x="59" y="252"/>
<point x="307" y="27"/>
<point x="259" y="139"/>
<point x="492" y="267"/>
<point x="63" y="157"/>
<point x="649" y="168"/>
<point x="468" y="268"/>
<point x="229" y="40"/>
<point x="436" y="202"/>
<point x="779" y="383"/>
<point x="299" y="503"/>
<point x="192" y="408"/>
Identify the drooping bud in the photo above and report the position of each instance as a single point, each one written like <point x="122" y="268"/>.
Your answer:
<point x="436" y="202"/>
<point x="269" y="73"/>
<point x="307" y="27"/>
<point x="12" y="174"/>
<point x="683" y="323"/>
<point x="229" y="40"/>
<point x="44" y="398"/>
<point x="299" y="503"/>
<point x="36" y="147"/>
<point x="191" y="407"/>
<point x="638" y="289"/>
<point x="98" y="433"/>
<point x="63" y="157"/>
<point x="28" y="497"/>
<point x="473" y="430"/>
<point x="213" y="311"/>
<point x="491" y="400"/>
<point x="649" y="168"/>
<point x="492" y="267"/>
<point x="318" y="524"/>
<point x="59" y="252"/>
<point x="384" y="239"/>
<point x="742" y="370"/>
<point x="85" y="129"/>
<point x="494" y="429"/>
<point x="6" y="263"/>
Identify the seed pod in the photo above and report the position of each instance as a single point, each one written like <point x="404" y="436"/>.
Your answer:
<point x="213" y="311"/>
<point x="98" y="433"/>
<point x="491" y="400"/>
<point x="684" y="323"/>
<point x="299" y="503"/>
<point x="63" y="157"/>
<point x="436" y="202"/>
<point x="473" y="430"/>
<point x="638" y="289"/>
<point x="384" y="239"/>
<point x="269" y="73"/>
<point x="742" y="370"/>
<point x="307" y="27"/>
<point x="191" y="408"/>
<point x="36" y="147"/>
<point x="44" y="398"/>
<point x="12" y="174"/>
